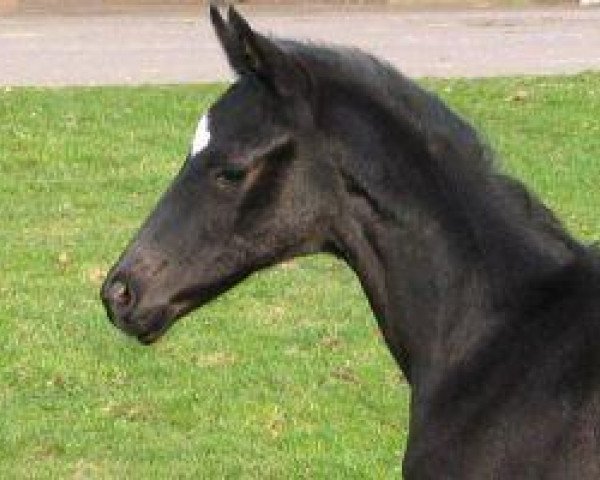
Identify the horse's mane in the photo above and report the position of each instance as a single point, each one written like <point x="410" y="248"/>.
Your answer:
<point x="469" y="186"/>
<point x="421" y="110"/>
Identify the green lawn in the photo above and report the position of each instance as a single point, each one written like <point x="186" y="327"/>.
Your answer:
<point x="285" y="376"/>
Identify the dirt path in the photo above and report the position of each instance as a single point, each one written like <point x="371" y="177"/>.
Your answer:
<point x="152" y="48"/>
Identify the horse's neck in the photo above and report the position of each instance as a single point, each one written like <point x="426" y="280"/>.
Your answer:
<point x="434" y="303"/>
<point x="418" y="292"/>
<point x="440" y="245"/>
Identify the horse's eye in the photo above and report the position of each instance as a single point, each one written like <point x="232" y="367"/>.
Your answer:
<point x="231" y="176"/>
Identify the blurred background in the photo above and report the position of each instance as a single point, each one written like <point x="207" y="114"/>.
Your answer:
<point x="74" y="6"/>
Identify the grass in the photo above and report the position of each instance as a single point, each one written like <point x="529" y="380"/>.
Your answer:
<point x="280" y="378"/>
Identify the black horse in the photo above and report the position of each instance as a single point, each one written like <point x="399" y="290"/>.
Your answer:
<point x="490" y="308"/>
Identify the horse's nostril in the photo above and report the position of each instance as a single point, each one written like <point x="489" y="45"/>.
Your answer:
<point x="119" y="298"/>
<point x="121" y="294"/>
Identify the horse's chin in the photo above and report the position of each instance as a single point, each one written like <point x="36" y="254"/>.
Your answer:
<point x="160" y="321"/>
<point x="149" y="338"/>
<point x="148" y="327"/>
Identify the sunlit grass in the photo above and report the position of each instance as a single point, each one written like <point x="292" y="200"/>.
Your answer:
<point x="285" y="376"/>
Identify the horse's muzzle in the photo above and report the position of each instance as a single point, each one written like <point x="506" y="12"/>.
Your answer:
<point x="122" y="298"/>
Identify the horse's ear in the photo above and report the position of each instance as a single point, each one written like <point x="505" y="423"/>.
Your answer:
<point x="251" y="52"/>
<point x="229" y="41"/>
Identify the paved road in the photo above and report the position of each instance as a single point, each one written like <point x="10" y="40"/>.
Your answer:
<point x="180" y="47"/>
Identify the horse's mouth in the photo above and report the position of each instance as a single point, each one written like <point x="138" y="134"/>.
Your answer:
<point x="148" y="325"/>
<point x="155" y="328"/>
<point x="157" y="324"/>
<point x="148" y="328"/>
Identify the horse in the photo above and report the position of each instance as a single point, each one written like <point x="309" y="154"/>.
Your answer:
<point x="490" y="308"/>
